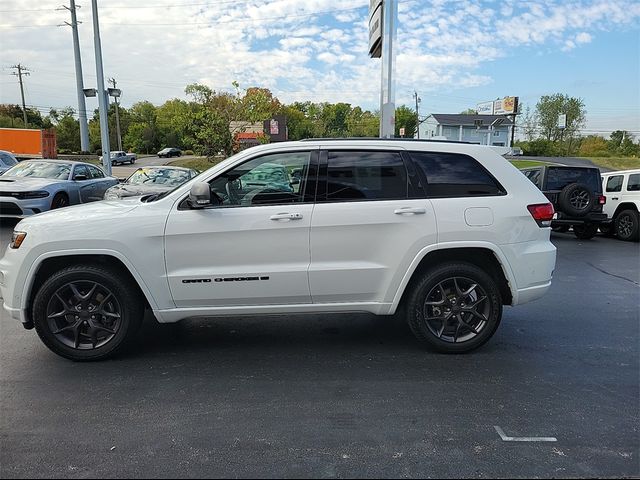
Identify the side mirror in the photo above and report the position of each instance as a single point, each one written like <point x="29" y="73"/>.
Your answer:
<point x="200" y="195"/>
<point x="122" y="180"/>
<point x="80" y="177"/>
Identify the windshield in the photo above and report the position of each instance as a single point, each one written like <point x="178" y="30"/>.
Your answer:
<point x="57" y="171"/>
<point x="159" y="176"/>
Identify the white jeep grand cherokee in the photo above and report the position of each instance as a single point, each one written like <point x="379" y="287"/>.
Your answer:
<point x="449" y="232"/>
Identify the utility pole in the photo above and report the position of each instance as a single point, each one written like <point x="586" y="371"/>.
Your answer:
<point x="103" y="99"/>
<point x="82" y="106"/>
<point x="113" y="82"/>
<point x="21" y="70"/>
<point x="418" y="100"/>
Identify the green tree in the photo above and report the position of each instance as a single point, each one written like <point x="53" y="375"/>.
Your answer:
<point x="469" y="111"/>
<point x="593" y="146"/>
<point x="550" y="107"/>
<point x="406" y="117"/>
<point x="621" y="143"/>
<point x="67" y="129"/>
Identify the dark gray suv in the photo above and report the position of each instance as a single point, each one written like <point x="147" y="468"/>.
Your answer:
<point x="576" y="194"/>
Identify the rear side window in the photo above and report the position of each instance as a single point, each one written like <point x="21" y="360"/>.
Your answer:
<point x="634" y="183"/>
<point x="614" y="183"/>
<point x="358" y="175"/>
<point x="95" y="172"/>
<point x="455" y="175"/>
<point x="6" y="160"/>
<point x="559" y="177"/>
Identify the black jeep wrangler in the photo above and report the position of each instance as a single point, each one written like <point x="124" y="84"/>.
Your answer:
<point x="576" y="194"/>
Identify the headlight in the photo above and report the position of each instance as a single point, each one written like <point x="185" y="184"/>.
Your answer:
<point x="36" y="194"/>
<point x="17" y="238"/>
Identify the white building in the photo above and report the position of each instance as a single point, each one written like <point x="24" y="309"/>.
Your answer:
<point x="479" y="129"/>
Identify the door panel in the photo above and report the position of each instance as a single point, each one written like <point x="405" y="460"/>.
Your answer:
<point x="238" y="256"/>
<point x="253" y="248"/>
<point x="360" y="250"/>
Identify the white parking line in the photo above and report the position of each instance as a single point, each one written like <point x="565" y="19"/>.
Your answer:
<point x="505" y="438"/>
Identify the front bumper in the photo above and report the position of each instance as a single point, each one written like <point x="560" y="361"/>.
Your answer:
<point x="14" y="208"/>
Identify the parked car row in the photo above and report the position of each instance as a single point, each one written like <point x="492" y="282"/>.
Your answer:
<point x="35" y="186"/>
<point x="587" y="201"/>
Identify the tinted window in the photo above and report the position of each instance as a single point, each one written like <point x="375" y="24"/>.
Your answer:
<point x="614" y="183"/>
<point x="455" y="175"/>
<point x="559" y="177"/>
<point x="7" y="160"/>
<point x="96" y="172"/>
<point x="268" y="180"/>
<point x="81" y="170"/>
<point x="533" y="175"/>
<point x="634" y="182"/>
<point x="365" y="176"/>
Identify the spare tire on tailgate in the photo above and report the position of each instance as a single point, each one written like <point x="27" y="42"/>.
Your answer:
<point x="576" y="199"/>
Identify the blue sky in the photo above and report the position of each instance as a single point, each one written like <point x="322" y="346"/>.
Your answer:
<point x="454" y="53"/>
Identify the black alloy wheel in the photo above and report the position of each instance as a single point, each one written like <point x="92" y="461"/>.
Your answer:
<point x="627" y="226"/>
<point x="87" y="312"/>
<point x="60" y="200"/>
<point x="455" y="308"/>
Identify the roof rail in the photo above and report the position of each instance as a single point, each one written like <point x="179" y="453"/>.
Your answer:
<point x="382" y="139"/>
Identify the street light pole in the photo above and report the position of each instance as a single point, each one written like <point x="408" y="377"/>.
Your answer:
<point x="115" y="99"/>
<point x="102" y="94"/>
<point x="418" y="99"/>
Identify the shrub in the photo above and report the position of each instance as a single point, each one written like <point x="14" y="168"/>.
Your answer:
<point x="188" y="152"/>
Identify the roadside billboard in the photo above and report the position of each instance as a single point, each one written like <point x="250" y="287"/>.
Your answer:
<point x="485" y="108"/>
<point x="506" y="106"/>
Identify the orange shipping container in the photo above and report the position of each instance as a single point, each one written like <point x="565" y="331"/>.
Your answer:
<point x="29" y="142"/>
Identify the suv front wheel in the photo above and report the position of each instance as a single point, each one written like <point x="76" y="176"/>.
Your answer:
<point x="87" y="312"/>
<point x="454" y="308"/>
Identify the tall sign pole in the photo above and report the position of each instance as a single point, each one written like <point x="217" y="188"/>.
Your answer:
<point x="82" y="106"/>
<point x="102" y="94"/>
<point x="383" y="27"/>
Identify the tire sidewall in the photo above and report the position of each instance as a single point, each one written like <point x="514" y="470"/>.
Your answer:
<point x="428" y="281"/>
<point x="585" y="231"/>
<point x="565" y="204"/>
<point x="130" y="312"/>
<point x="633" y="215"/>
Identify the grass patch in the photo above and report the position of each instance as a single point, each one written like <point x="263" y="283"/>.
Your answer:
<point x="616" y="163"/>
<point x="527" y="163"/>
<point x="197" y="163"/>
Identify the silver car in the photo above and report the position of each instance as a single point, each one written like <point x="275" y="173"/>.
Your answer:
<point x="35" y="186"/>
<point x="151" y="180"/>
<point x="7" y="160"/>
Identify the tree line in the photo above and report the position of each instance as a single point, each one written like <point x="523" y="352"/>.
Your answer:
<point x="207" y="121"/>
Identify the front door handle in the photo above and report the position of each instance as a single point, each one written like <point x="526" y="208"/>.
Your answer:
<point x="410" y="210"/>
<point x="286" y="216"/>
<point x="614" y="198"/>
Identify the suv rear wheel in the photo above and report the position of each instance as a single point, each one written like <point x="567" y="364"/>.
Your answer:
<point x="87" y="312"/>
<point x="627" y="225"/>
<point x="454" y="308"/>
<point x="585" y="231"/>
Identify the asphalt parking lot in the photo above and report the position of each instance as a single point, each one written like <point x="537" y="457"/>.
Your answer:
<point x="344" y="395"/>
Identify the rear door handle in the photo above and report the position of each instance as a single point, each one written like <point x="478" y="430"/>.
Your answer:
<point x="410" y="210"/>
<point x="286" y="216"/>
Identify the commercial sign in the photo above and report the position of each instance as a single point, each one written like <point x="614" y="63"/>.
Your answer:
<point x="504" y="106"/>
<point x="375" y="28"/>
<point x="562" y="120"/>
<point x="485" y="108"/>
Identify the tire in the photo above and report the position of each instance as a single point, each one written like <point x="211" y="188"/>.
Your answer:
<point x="437" y="284"/>
<point x="576" y="199"/>
<point x="585" y="231"/>
<point x="607" y="229"/>
<point x="560" y="228"/>
<point x="60" y="200"/>
<point x="65" y="329"/>
<point x="627" y="224"/>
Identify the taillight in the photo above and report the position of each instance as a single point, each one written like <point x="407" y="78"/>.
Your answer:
<point x="602" y="199"/>
<point x="542" y="213"/>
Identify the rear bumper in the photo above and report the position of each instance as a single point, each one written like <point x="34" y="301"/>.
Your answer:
<point x="593" y="217"/>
